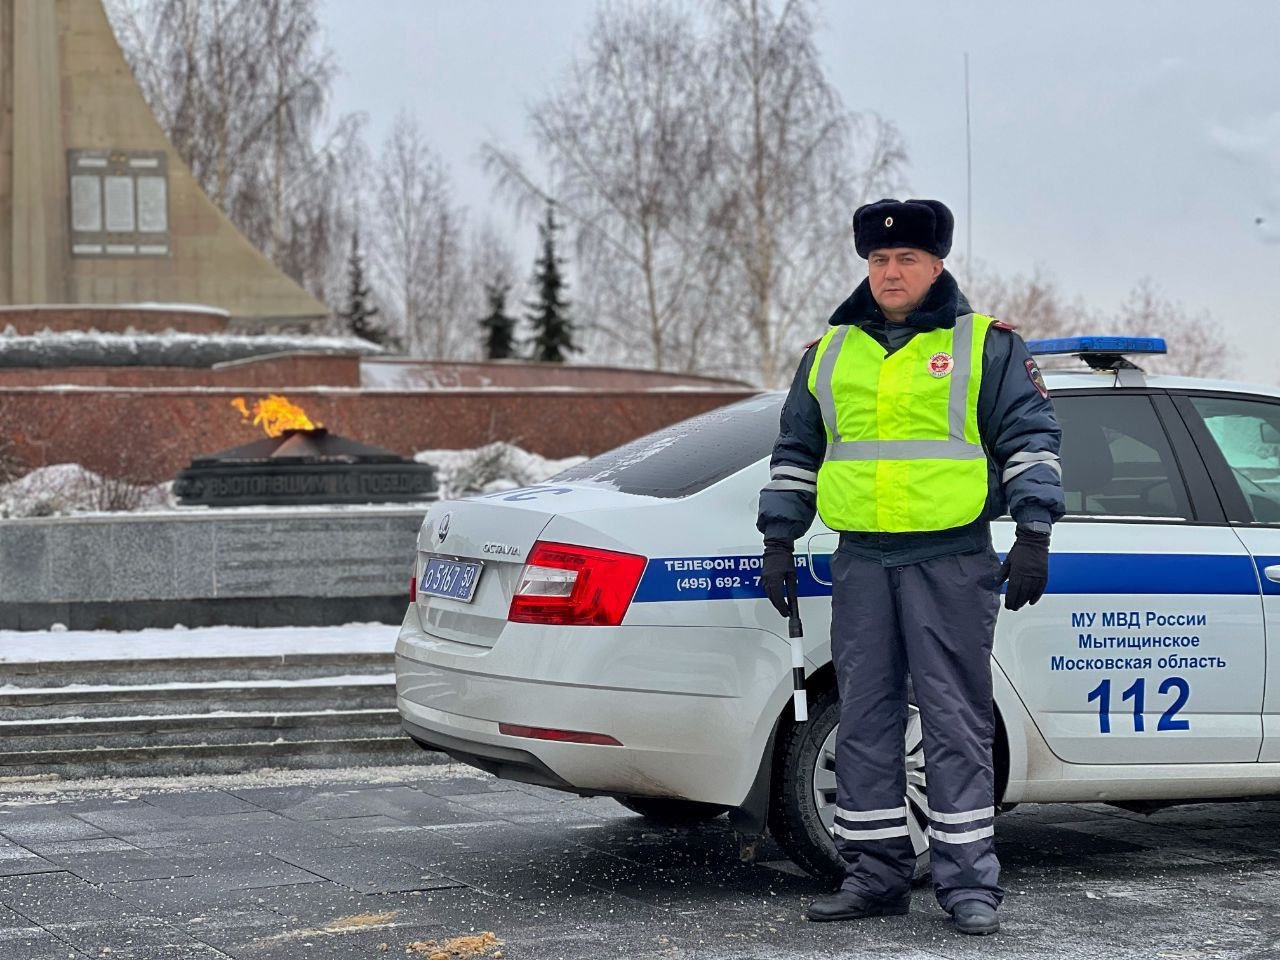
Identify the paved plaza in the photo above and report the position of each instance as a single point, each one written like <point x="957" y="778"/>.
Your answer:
<point x="424" y="861"/>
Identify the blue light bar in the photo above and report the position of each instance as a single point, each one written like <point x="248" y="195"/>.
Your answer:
<point x="1087" y="345"/>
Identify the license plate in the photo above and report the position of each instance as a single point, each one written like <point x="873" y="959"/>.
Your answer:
<point x="455" y="579"/>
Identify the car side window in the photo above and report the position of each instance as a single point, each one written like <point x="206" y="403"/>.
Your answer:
<point x="1248" y="434"/>
<point x="1116" y="459"/>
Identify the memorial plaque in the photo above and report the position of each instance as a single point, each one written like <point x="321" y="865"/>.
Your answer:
<point x="153" y="214"/>
<point x="118" y="203"/>
<point x="86" y="203"/>
<point x="119" y="196"/>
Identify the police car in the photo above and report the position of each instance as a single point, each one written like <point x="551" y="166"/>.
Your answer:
<point x="605" y="633"/>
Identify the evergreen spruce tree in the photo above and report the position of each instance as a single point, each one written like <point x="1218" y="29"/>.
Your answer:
<point x="553" y="331"/>
<point x="360" y="311"/>
<point x="499" y="329"/>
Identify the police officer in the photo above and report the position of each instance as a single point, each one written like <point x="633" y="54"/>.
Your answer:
<point x="909" y="426"/>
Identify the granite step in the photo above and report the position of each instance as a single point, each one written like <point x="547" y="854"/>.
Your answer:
<point x="347" y="692"/>
<point x="225" y="729"/>
<point x="215" y="758"/>
<point x="49" y="673"/>
<point x="122" y="706"/>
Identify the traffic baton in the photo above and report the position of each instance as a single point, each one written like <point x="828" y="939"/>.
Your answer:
<point x="796" y="631"/>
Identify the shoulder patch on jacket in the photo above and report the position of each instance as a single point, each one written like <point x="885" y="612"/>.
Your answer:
<point x="1036" y="377"/>
<point x="811" y="342"/>
<point x="1002" y="325"/>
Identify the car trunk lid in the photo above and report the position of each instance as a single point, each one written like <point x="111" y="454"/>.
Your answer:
<point x="497" y="531"/>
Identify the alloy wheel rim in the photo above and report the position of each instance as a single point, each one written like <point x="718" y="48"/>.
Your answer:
<point x="824" y="783"/>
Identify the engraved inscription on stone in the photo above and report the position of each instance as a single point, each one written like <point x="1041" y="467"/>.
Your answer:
<point x="86" y="203"/>
<point x="152" y="212"/>
<point x="119" y="197"/>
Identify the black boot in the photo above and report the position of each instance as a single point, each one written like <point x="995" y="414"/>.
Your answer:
<point x="976" y="917"/>
<point x="847" y="905"/>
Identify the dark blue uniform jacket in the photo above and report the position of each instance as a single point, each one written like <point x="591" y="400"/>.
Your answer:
<point x="1015" y="418"/>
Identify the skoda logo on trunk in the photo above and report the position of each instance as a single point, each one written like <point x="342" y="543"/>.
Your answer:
<point x="443" y="530"/>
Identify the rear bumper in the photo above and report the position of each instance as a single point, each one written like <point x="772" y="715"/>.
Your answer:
<point x="505" y="762"/>
<point x="692" y="708"/>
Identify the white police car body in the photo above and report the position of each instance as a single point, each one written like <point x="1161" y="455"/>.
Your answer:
<point x="605" y="632"/>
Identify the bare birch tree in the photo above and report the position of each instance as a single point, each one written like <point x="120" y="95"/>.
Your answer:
<point x="796" y="163"/>
<point x="1033" y="303"/>
<point x="418" y="252"/>
<point x="627" y="136"/>
<point x="1198" y="347"/>
<point x="1037" y="307"/>
<point x="241" y="89"/>
<point x="196" y="63"/>
<point x="708" y="171"/>
<point x="446" y="284"/>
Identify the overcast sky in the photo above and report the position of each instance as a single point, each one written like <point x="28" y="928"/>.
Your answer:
<point x="1111" y="140"/>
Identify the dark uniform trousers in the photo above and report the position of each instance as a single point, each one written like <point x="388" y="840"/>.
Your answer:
<point x="934" y="619"/>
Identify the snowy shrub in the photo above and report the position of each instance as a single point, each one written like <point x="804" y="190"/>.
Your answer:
<point x="493" y="467"/>
<point x="65" y="488"/>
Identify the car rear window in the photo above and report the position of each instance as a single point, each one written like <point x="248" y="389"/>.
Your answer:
<point x="688" y="456"/>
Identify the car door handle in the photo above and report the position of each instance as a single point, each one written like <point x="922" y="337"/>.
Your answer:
<point x="1272" y="573"/>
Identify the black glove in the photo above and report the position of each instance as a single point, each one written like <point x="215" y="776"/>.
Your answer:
<point x="779" y="563"/>
<point x="1026" y="568"/>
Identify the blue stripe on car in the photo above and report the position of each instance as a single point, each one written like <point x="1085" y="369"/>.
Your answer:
<point x="735" y="577"/>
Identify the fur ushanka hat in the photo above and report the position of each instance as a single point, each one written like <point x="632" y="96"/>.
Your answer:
<point x="923" y="224"/>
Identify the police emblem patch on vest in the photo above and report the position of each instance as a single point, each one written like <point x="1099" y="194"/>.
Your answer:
<point x="940" y="364"/>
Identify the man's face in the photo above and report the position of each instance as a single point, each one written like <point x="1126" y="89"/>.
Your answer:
<point x="900" y="278"/>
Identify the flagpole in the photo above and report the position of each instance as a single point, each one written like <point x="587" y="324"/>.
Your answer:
<point x="968" y="173"/>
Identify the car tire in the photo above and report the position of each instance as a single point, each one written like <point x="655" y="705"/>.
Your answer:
<point x="670" y="811"/>
<point x="803" y="800"/>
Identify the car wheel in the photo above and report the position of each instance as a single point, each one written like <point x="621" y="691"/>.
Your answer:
<point x="670" y="811"/>
<point x="802" y="808"/>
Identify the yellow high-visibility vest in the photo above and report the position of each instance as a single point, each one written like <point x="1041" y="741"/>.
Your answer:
<point x="903" y="449"/>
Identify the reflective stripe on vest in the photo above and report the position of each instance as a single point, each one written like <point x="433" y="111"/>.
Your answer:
<point x="903" y="450"/>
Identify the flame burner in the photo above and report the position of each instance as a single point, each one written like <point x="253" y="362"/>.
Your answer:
<point x="299" y="467"/>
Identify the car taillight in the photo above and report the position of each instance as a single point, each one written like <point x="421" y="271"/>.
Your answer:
<point x="569" y="585"/>
<point x="413" y="583"/>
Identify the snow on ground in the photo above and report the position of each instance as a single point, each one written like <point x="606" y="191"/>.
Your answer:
<point x="167" y="307"/>
<point x="203" y="511"/>
<point x="378" y="373"/>
<point x="488" y="469"/>
<point x="53" y="349"/>
<point x="51" y="789"/>
<point x="178" y="642"/>
<point x="135" y="342"/>
<point x="64" y="488"/>
<point x="346" y="680"/>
